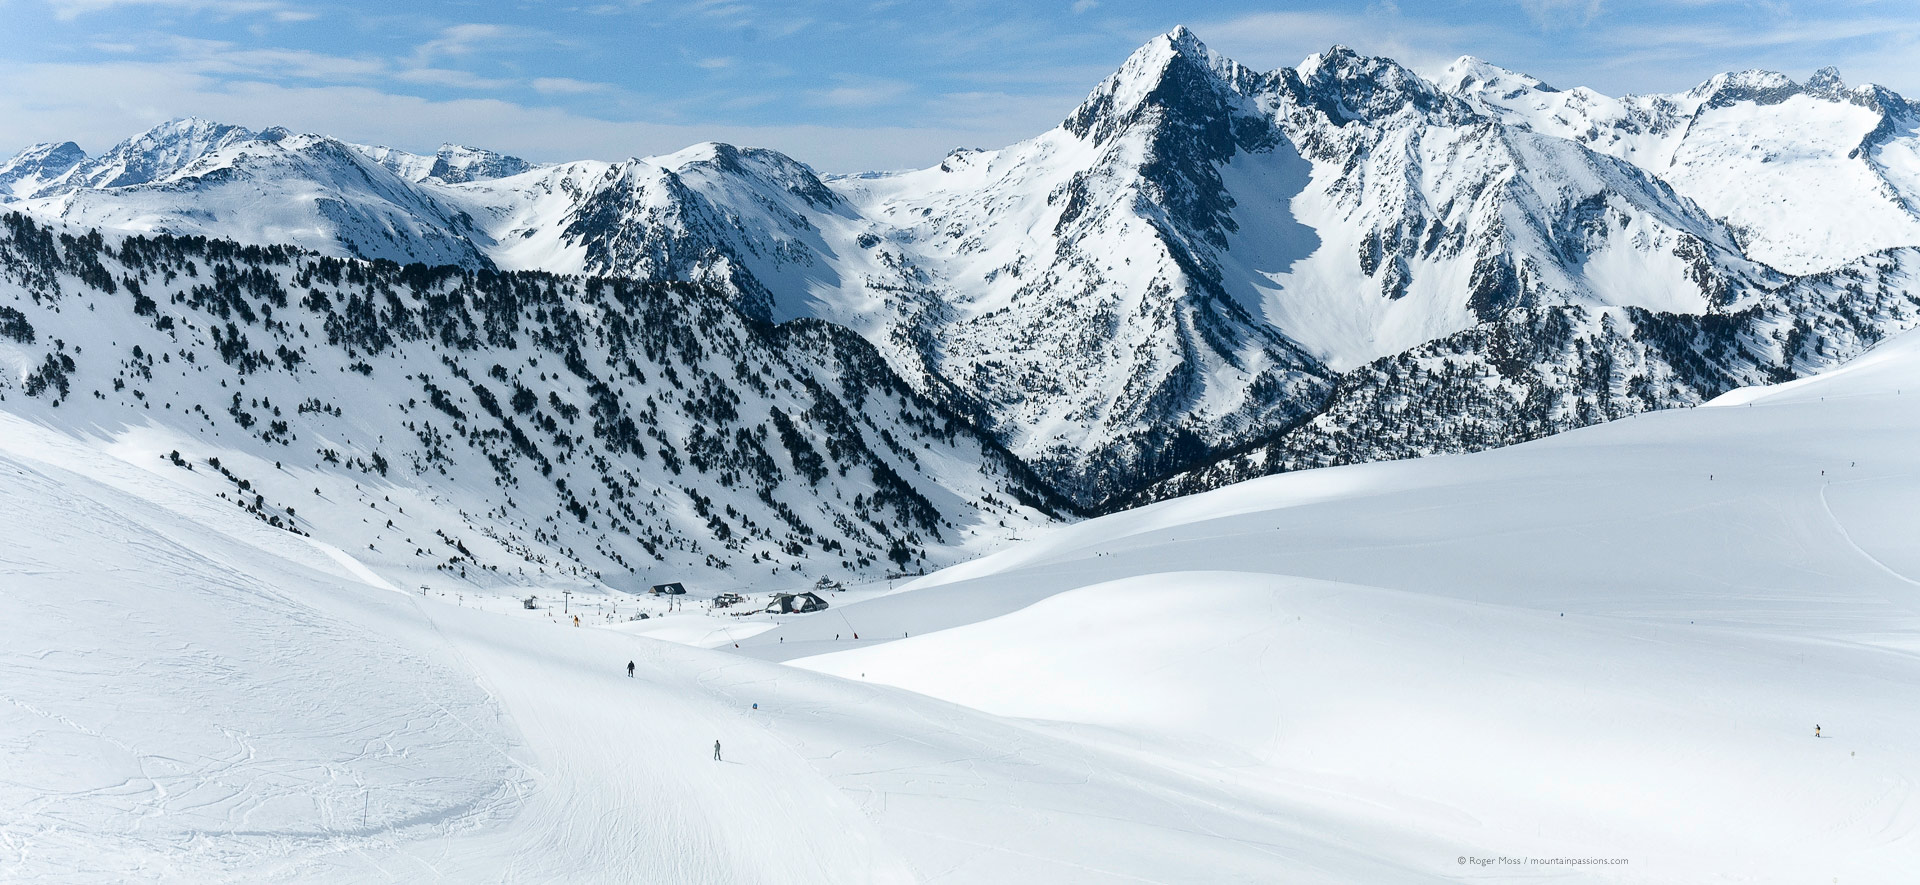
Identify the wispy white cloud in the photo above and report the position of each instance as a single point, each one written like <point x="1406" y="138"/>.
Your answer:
<point x="568" y="86"/>
<point x="860" y="92"/>
<point x="466" y="39"/>
<point x="1715" y="36"/>
<point x="1874" y="42"/>
<point x="100" y="104"/>
<point x="754" y="20"/>
<point x="1561" y="13"/>
<point x="277" y="10"/>
<point x="975" y="111"/>
<point x="452" y="44"/>
<point x="1267" y="40"/>
<point x="226" y="58"/>
<point x="222" y="59"/>
<point x="452" y="78"/>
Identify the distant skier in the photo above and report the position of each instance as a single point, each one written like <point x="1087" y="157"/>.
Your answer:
<point x="716" y="751"/>
<point x="629" y="669"/>
<point x="1816" y="731"/>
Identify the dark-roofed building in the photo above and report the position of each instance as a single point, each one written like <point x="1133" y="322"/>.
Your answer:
<point x="795" y="603"/>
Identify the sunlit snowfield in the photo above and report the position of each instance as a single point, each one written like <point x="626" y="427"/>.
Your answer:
<point x="1612" y="644"/>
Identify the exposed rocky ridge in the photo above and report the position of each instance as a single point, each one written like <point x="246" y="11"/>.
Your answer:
<point x="1538" y="372"/>
<point x="451" y="164"/>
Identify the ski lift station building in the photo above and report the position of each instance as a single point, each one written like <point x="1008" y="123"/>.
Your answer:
<point x="795" y="603"/>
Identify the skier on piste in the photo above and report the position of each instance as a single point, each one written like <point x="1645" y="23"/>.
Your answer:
<point x="629" y="669"/>
<point x="716" y="751"/>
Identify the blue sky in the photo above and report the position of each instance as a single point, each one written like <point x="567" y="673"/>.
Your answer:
<point x="844" y="86"/>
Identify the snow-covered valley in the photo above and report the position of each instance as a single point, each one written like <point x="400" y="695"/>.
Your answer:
<point x="1611" y="644"/>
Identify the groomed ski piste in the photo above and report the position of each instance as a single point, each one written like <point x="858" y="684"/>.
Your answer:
<point x="1598" y="657"/>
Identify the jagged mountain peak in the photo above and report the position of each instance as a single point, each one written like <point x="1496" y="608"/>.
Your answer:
<point x="769" y="168"/>
<point x="1772" y="87"/>
<point x="1346" y="86"/>
<point x="36" y="166"/>
<point x="1827" y="79"/>
<point x="1338" y="55"/>
<point x="1470" y="74"/>
<point x="1757" y="86"/>
<point x="458" y="163"/>
<point x="451" y="164"/>
<point x="1172" y="70"/>
<point x="48" y="152"/>
<point x="188" y="127"/>
<point x="1180" y="41"/>
<point x="157" y="153"/>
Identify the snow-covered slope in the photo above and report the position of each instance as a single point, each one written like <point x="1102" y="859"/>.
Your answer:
<point x="1809" y="175"/>
<point x="1611" y="644"/>
<point x="1601" y="655"/>
<point x="271" y="188"/>
<point x="499" y="428"/>
<point x="193" y="696"/>
<point x="747" y="220"/>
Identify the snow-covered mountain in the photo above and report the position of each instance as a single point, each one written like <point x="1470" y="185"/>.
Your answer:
<point x="1807" y="175"/>
<point x="1077" y="278"/>
<point x="1199" y="258"/>
<point x="502" y="428"/>
<point x="154" y="155"/>
<point x="273" y="187"/>
<point x="1435" y="218"/>
<point x="1538" y="372"/>
<point x="38" y="167"/>
<point x="451" y="164"/>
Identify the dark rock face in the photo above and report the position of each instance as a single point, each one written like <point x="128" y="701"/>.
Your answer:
<point x="455" y="164"/>
<point x="1543" y="371"/>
